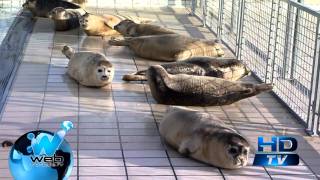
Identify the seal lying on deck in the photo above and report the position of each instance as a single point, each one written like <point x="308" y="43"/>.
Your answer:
<point x="189" y="90"/>
<point x="225" y="68"/>
<point x="169" y="47"/>
<point x="96" y="25"/>
<point x="132" y="29"/>
<point x="41" y="8"/>
<point x="66" y="19"/>
<point x="89" y="68"/>
<point x="204" y="137"/>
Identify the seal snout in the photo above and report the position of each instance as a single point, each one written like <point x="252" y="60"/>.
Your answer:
<point x="104" y="77"/>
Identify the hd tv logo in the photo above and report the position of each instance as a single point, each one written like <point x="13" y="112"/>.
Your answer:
<point x="277" y="152"/>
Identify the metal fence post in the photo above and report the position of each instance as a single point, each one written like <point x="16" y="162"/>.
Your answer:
<point x="240" y="29"/>
<point x="204" y="12"/>
<point x="232" y="16"/>
<point x="313" y="99"/>
<point x="272" y="36"/>
<point x="220" y="19"/>
<point x="286" y="56"/>
<point x="193" y="7"/>
<point x="295" y="38"/>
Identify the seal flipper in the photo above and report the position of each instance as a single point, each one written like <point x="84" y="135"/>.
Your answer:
<point x="68" y="51"/>
<point x="255" y="90"/>
<point x="137" y="76"/>
<point x="189" y="146"/>
<point x="118" y="42"/>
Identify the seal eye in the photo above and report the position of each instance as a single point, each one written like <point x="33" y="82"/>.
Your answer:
<point x="233" y="150"/>
<point x="100" y="70"/>
<point x="109" y="70"/>
<point x="245" y="151"/>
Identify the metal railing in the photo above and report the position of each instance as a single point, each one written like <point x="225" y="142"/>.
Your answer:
<point x="279" y="40"/>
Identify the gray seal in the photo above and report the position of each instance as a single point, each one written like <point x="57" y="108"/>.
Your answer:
<point x="220" y="67"/>
<point x="169" y="47"/>
<point x="66" y="19"/>
<point x="204" y="137"/>
<point x="131" y="29"/>
<point x="89" y="68"/>
<point x="41" y="8"/>
<point x="189" y="90"/>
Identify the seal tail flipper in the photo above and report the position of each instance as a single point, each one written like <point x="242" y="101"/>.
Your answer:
<point x="118" y="42"/>
<point x="68" y="51"/>
<point x="138" y="76"/>
<point x="263" y="87"/>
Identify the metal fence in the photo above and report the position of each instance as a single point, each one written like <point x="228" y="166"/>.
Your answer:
<point x="279" y="40"/>
<point x="8" y="60"/>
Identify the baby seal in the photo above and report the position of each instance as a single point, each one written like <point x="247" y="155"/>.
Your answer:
<point x="129" y="28"/>
<point x="41" y="8"/>
<point x="225" y="68"/>
<point x="89" y="68"/>
<point x="66" y="19"/>
<point x="169" y="47"/>
<point x="204" y="137"/>
<point x="103" y="25"/>
<point x="189" y="90"/>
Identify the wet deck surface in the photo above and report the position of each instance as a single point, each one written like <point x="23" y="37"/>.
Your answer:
<point x="116" y="135"/>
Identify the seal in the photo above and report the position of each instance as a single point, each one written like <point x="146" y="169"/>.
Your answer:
<point x="220" y="67"/>
<point x="66" y="19"/>
<point x="189" y="90"/>
<point x="41" y="8"/>
<point x="204" y="137"/>
<point x="89" y="68"/>
<point x="169" y="47"/>
<point x="129" y="28"/>
<point x="103" y="25"/>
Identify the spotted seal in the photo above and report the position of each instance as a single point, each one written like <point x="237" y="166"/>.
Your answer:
<point x="225" y="68"/>
<point x="189" y="90"/>
<point x="41" y="8"/>
<point x="129" y="28"/>
<point x="66" y="19"/>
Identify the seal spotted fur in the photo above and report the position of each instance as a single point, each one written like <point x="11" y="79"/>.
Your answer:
<point x="66" y="19"/>
<point x="41" y="8"/>
<point x="189" y="90"/>
<point x="129" y="28"/>
<point x="225" y="68"/>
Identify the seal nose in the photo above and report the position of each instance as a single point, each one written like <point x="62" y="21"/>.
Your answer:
<point x="104" y="77"/>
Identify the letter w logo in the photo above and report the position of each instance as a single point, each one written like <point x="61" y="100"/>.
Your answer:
<point x="45" y="145"/>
